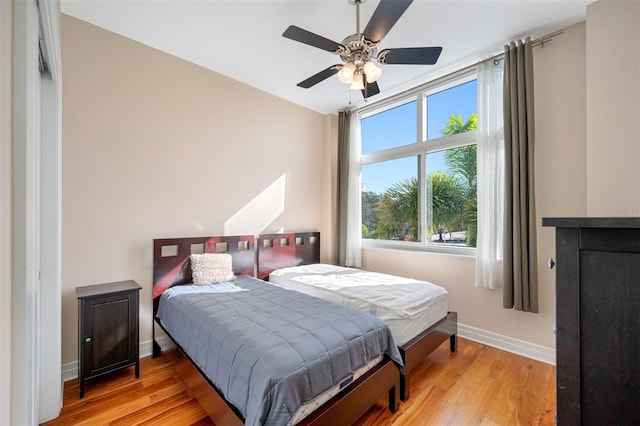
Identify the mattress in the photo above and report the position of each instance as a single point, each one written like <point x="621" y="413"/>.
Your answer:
<point x="408" y="306"/>
<point x="272" y="352"/>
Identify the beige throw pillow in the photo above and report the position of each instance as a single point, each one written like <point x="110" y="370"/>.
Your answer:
<point x="211" y="268"/>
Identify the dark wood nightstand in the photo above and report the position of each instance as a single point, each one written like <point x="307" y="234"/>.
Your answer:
<point x="108" y="329"/>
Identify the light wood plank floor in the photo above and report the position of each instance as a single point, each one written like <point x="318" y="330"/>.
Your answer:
<point x="478" y="385"/>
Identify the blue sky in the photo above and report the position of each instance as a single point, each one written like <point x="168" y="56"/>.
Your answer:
<point x="397" y="127"/>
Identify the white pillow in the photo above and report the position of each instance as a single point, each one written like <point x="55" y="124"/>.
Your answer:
<point x="211" y="268"/>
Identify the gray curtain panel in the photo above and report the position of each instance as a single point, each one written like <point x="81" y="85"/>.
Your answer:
<point x="344" y="118"/>
<point x="520" y="290"/>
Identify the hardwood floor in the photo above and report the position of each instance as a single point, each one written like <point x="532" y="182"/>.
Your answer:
<point x="478" y="385"/>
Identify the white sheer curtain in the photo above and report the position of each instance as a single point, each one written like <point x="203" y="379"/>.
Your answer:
<point x="490" y="176"/>
<point x="353" y="255"/>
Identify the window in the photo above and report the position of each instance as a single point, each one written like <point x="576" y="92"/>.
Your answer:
<point x="418" y="167"/>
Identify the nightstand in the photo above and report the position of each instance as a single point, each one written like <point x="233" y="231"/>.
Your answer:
<point x="107" y="329"/>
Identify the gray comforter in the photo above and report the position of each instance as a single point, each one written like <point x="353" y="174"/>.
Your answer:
<point x="270" y="350"/>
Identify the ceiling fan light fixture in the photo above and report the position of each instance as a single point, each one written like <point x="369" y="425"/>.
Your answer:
<point x="358" y="82"/>
<point x="345" y="74"/>
<point x="372" y="71"/>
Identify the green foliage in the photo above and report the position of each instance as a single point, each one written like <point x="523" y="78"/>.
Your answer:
<point x="470" y="219"/>
<point x="397" y="211"/>
<point x="456" y="124"/>
<point x="445" y="197"/>
<point x="370" y="201"/>
<point x="463" y="163"/>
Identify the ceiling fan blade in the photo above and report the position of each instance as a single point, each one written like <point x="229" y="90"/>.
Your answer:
<point x="410" y="56"/>
<point x="317" y="78"/>
<point x="384" y="17"/>
<point x="370" y="90"/>
<point x="307" y="37"/>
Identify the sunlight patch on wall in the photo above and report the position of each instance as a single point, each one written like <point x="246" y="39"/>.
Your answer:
<point x="260" y="212"/>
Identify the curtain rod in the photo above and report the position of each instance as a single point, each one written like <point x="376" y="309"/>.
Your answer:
<point x="541" y="41"/>
<point x="546" y="38"/>
<point x="534" y="43"/>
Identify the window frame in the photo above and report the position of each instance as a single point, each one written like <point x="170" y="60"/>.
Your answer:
<point x="421" y="148"/>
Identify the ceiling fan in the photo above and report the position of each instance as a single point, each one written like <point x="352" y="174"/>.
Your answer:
<point x="359" y="51"/>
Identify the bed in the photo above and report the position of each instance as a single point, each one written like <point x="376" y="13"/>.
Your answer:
<point x="269" y="356"/>
<point x="416" y="311"/>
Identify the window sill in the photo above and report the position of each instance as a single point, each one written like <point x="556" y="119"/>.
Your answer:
<point x="445" y="248"/>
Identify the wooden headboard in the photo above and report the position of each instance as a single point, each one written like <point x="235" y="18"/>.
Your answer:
<point x="171" y="265"/>
<point x="252" y="255"/>
<point x="284" y="250"/>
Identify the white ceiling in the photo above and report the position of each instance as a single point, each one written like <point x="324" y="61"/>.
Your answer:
<point x="243" y="40"/>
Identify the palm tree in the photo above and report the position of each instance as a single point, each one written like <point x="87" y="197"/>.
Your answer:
<point x="456" y="124"/>
<point x="397" y="211"/>
<point x="462" y="161"/>
<point x="370" y="201"/>
<point x="445" y="197"/>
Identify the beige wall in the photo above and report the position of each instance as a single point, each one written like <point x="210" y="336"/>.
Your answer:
<point x="613" y="108"/>
<point x="559" y="76"/>
<point x="154" y="146"/>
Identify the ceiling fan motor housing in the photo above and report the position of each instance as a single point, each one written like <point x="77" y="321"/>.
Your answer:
<point x="357" y="49"/>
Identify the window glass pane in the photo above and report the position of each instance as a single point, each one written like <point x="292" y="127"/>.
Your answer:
<point x="390" y="200"/>
<point x="451" y="192"/>
<point x="389" y="129"/>
<point x="452" y="111"/>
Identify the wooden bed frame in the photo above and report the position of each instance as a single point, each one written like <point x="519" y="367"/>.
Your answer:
<point x="171" y="267"/>
<point x="302" y="248"/>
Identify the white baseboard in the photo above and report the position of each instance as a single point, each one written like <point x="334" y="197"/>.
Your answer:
<point x="509" y="344"/>
<point x="70" y="370"/>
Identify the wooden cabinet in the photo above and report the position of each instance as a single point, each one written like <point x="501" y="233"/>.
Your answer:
<point x="597" y="320"/>
<point x="108" y="329"/>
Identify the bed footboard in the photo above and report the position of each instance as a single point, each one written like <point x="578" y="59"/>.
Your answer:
<point x="353" y="401"/>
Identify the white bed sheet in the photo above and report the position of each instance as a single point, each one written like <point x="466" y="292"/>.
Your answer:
<point x="408" y="306"/>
